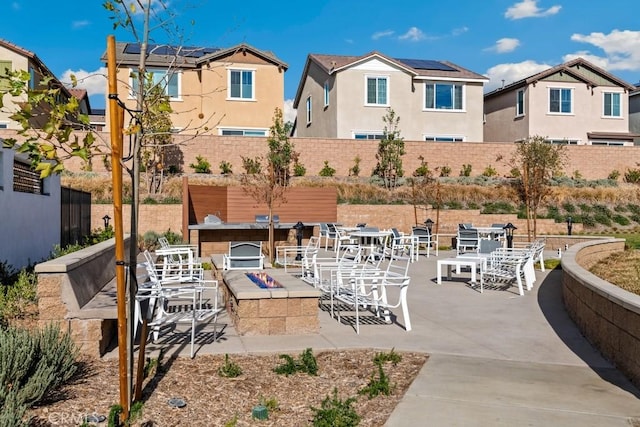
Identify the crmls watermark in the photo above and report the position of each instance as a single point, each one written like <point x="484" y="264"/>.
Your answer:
<point x="73" y="418"/>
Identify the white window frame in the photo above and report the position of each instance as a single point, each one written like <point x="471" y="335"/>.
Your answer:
<point x="444" y="138"/>
<point x="563" y="141"/>
<point x="238" y="131"/>
<point x="435" y="103"/>
<point x="309" y="106"/>
<point x="367" y="135"/>
<point x="326" y="94"/>
<point x="366" y="90"/>
<point x="230" y="71"/>
<point x="134" y="81"/>
<point x="560" y="112"/>
<point x="520" y="102"/>
<point x="607" y="143"/>
<point x="604" y="112"/>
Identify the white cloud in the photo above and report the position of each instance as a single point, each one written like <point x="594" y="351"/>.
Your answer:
<point x="414" y="34"/>
<point x="79" y="24"/>
<point x="509" y="73"/>
<point x="380" y="34"/>
<point x="94" y="82"/>
<point x="459" y="31"/>
<point x="504" y="45"/>
<point x="529" y="9"/>
<point x="620" y="49"/>
<point x="288" y="112"/>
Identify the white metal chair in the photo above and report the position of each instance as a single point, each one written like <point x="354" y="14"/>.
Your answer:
<point x="294" y="256"/>
<point x="425" y="238"/>
<point x="243" y="256"/>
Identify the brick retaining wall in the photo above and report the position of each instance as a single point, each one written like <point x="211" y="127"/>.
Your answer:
<point x="608" y="316"/>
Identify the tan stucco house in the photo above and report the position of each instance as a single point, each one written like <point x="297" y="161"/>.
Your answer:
<point x="347" y="97"/>
<point x="572" y="103"/>
<point x="15" y="58"/>
<point x="231" y="91"/>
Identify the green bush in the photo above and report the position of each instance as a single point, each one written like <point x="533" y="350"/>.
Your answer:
<point x="334" y="412"/>
<point x="621" y="219"/>
<point x="465" y="170"/>
<point x="225" y="168"/>
<point x="306" y="364"/>
<point x="201" y="165"/>
<point x="377" y="385"/>
<point x="445" y="171"/>
<point x="632" y="175"/>
<point x="17" y="296"/>
<point x="327" y="170"/>
<point x="490" y="171"/>
<point x="229" y="369"/>
<point x="34" y="363"/>
<point x="251" y="166"/>
<point x="299" y="169"/>
<point x="499" y="207"/>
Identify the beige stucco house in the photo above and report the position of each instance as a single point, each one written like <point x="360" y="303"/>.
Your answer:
<point x="347" y="97"/>
<point x="572" y="103"/>
<point x="634" y="113"/>
<point x="15" y="58"/>
<point x="232" y="91"/>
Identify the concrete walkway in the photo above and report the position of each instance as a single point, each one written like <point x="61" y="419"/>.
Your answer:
<point x="496" y="358"/>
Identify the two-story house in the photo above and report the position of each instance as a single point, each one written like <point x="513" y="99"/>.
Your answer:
<point x="634" y="112"/>
<point x="232" y="91"/>
<point x="15" y="58"/>
<point x="347" y="97"/>
<point x="572" y="103"/>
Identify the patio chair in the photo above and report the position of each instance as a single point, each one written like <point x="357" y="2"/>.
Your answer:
<point x="425" y="239"/>
<point x="287" y="256"/>
<point x="370" y="292"/>
<point x="467" y="240"/>
<point x="243" y="256"/>
<point x="404" y="245"/>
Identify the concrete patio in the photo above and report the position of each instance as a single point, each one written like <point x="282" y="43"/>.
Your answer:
<point x="496" y="358"/>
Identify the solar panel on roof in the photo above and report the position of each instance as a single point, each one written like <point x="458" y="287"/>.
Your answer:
<point x="426" y="64"/>
<point x="154" y="49"/>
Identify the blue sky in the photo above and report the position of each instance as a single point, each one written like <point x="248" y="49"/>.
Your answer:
<point x="502" y="39"/>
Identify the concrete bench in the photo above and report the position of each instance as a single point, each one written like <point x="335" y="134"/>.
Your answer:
<point x="78" y="292"/>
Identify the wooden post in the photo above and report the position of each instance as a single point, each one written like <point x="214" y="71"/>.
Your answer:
<point x="115" y="124"/>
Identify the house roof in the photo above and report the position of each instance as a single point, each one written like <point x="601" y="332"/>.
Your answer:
<point x="572" y="68"/>
<point x="162" y="55"/>
<point x="616" y="136"/>
<point x="417" y="68"/>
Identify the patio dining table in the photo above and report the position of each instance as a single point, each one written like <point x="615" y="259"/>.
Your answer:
<point x="370" y="240"/>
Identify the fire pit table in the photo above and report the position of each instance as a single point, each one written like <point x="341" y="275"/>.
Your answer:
<point x="280" y="304"/>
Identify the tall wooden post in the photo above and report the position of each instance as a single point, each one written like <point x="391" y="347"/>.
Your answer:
<point x="115" y="124"/>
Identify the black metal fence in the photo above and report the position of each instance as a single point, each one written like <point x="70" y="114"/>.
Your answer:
<point x="75" y="216"/>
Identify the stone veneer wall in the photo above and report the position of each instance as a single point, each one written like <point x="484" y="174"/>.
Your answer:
<point x="608" y="316"/>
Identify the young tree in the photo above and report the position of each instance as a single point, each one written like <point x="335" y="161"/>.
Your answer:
<point x="390" y="151"/>
<point x="537" y="161"/>
<point x="269" y="186"/>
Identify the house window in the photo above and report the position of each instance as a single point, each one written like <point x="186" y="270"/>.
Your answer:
<point x="560" y="101"/>
<point x="4" y="125"/>
<point x="611" y="104"/>
<point x="243" y="132"/>
<point x="25" y="179"/>
<point x="368" y="135"/>
<point x="241" y="84"/>
<point x="309" y="117"/>
<point x="563" y="141"/>
<point x="444" y="96"/>
<point x="169" y="81"/>
<point x="444" y="138"/>
<point x="32" y="78"/>
<point x="520" y="103"/>
<point x="377" y="91"/>
<point x="608" y="143"/>
<point x="326" y="93"/>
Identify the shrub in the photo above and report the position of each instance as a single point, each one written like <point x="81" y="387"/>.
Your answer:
<point x="334" y="411"/>
<point x="229" y="369"/>
<point x="299" y="169"/>
<point x="377" y="385"/>
<point x="201" y="165"/>
<point x="614" y="175"/>
<point x="355" y="169"/>
<point x="621" y="219"/>
<point x="466" y="170"/>
<point x="632" y="175"/>
<point x="16" y="297"/>
<point x="499" y="207"/>
<point x="306" y="364"/>
<point x="445" y="171"/>
<point x="490" y="171"/>
<point x="391" y="356"/>
<point x="327" y="170"/>
<point x="569" y="207"/>
<point x="225" y="168"/>
<point x="251" y="166"/>
<point x="34" y="364"/>
<point x="423" y="169"/>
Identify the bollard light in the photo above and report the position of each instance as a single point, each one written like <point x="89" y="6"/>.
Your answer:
<point x="106" y="220"/>
<point x="508" y="229"/>
<point x="569" y="225"/>
<point x="429" y="224"/>
<point x="299" y="227"/>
